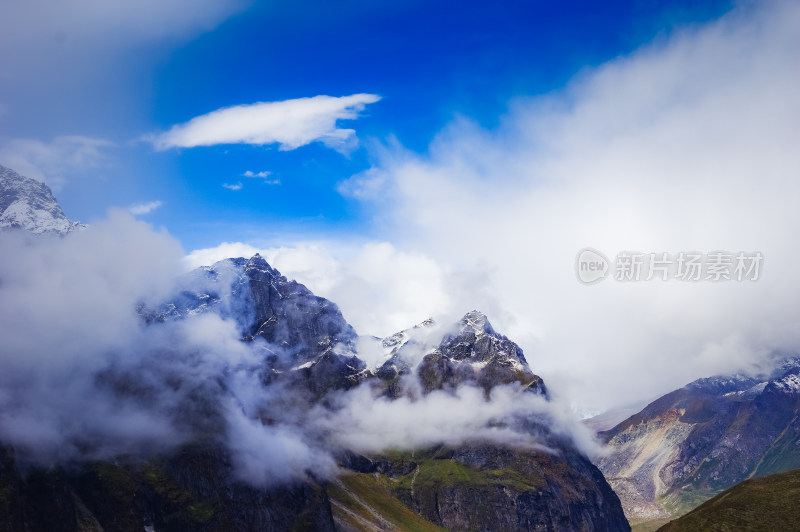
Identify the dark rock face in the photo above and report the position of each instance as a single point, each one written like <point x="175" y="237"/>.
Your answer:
<point x="308" y="341"/>
<point x="491" y="487"/>
<point x="695" y="442"/>
<point x="191" y="490"/>
<point x="287" y="314"/>
<point x="29" y="205"/>
<point x="266" y="305"/>
<point x="486" y="486"/>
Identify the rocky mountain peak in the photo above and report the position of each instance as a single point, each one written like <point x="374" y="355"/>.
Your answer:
<point x="302" y="330"/>
<point x="30" y="205"/>
<point x="475" y="340"/>
<point x="476" y="353"/>
<point x="476" y="322"/>
<point x="289" y="315"/>
<point x="257" y="263"/>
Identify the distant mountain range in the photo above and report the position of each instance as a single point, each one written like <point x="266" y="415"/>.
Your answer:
<point x="695" y="442"/>
<point x="28" y="204"/>
<point x="308" y="359"/>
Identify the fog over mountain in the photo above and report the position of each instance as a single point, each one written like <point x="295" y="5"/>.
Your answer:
<point x="687" y="144"/>
<point x="115" y="361"/>
<point x="109" y="348"/>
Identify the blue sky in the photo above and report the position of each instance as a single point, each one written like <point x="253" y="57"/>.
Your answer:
<point x="429" y="62"/>
<point x="417" y="159"/>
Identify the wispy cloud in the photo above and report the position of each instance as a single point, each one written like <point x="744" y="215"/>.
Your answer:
<point x="144" y="208"/>
<point x="264" y="176"/>
<point x="263" y="173"/>
<point x="233" y="186"/>
<point x="288" y="123"/>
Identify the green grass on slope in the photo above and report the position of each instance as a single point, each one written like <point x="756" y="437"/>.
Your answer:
<point x="766" y="503"/>
<point x="445" y="472"/>
<point x="362" y="492"/>
<point x="648" y="526"/>
<point x="433" y="470"/>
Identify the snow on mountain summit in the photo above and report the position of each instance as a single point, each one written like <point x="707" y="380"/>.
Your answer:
<point x="30" y="205"/>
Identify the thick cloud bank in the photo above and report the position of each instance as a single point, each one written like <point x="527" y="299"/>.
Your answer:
<point x="688" y="144"/>
<point x="84" y="374"/>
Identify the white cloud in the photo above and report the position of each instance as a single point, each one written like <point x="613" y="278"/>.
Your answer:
<point x="250" y="173"/>
<point x="366" y="423"/>
<point x="56" y="161"/>
<point x="276" y="454"/>
<point x="60" y="360"/>
<point x="233" y="186"/>
<point x="379" y="288"/>
<point x="685" y="145"/>
<point x="208" y="256"/>
<point x="85" y="378"/>
<point x="689" y="144"/>
<point x="289" y="123"/>
<point x="144" y="208"/>
<point x="264" y="176"/>
<point x="92" y="281"/>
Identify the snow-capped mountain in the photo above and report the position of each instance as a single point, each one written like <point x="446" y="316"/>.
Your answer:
<point x="697" y="441"/>
<point x="30" y="205"/>
<point x="253" y="376"/>
<point x="477" y="354"/>
<point x="311" y="349"/>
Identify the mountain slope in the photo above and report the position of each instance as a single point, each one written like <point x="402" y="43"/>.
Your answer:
<point x="697" y="441"/>
<point x="479" y="485"/>
<point x="192" y="489"/>
<point x="28" y="204"/>
<point x="760" y="504"/>
<point x="556" y="488"/>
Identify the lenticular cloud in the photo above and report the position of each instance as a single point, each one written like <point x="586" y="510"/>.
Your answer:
<point x="289" y="123"/>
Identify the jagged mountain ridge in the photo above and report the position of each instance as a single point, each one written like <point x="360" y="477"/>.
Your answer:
<point x="477" y="354"/>
<point x="30" y="205"/>
<point x="308" y="335"/>
<point x="697" y="441"/>
<point x="307" y="340"/>
<point x="471" y="352"/>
